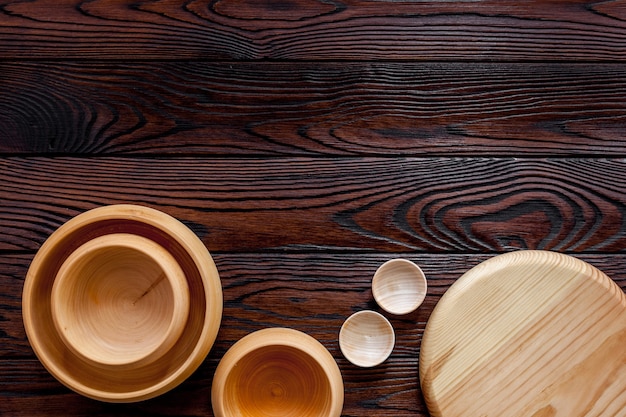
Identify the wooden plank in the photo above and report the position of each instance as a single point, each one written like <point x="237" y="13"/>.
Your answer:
<point x="267" y="290"/>
<point x="13" y="270"/>
<point x="311" y="204"/>
<point x="353" y="29"/>
<point x="310" y="292"/>
<point x="339" y="109"/>
<point x="26" y="389"/>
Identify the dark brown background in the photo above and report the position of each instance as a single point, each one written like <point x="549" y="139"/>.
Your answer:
<point x="307" y="142"/>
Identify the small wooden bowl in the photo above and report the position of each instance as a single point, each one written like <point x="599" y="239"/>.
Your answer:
<point x="366" y="338"/>
<point x="72" y="276"/>
<point x="120" y="300"/>
<point x="277" y="372"/>
<point x="399" y="286"/>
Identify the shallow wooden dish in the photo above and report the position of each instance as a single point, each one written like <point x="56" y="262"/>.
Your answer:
<point x="366" y="338"/>
<point x="528" y="333"/>
<point x="277" y="372"/>
<point x="160" y="365"/>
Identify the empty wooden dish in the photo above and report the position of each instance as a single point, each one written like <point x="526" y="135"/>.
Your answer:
<point x="399" y="286"/>
<point x="277" y="372"/>
<point x="122" y="303"/>
<point x="527" y="333"/>
<point x="366" y="338"/>
<point x="120" y="300"/>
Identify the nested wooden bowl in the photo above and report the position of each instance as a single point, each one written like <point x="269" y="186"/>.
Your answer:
<point x="277" y="372"/>
<point x="366" y="338"/>
<point x="120" y="300"/>
<point x="122" y="303"/>
<point x="399" y="286"/>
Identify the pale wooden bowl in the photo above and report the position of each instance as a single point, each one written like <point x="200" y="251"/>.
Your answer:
<point x="174" y="346"/>
<point x="366" y="338"/>
<point x="120" y="300"/>
<point x="399" y="286"/>
<point x="277" y="372"/>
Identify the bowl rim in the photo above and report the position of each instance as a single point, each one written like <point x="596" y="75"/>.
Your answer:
<point x="384" y="354"/>
<point x="278" y="336"/>
<point x="380" y="276"/>
<point x="37" y="277"/>
<point x="158" y="255"/>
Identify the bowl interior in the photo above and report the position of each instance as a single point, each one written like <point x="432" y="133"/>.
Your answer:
<point x="107" y="383"/>
<point x="366" y="338"/>
<point x="120" y="299"/>
<point x="399" y="286"/>
<point x="277" y="380"/>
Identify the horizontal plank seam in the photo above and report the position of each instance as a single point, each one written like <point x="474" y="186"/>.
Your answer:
<point x="483" y="60"/>
<point x="318" y="156"/>
<point x="348" y="252"/>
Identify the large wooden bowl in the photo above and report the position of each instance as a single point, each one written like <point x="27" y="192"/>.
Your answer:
<point x="277" y="372"/>
<point x="122" y="303"/>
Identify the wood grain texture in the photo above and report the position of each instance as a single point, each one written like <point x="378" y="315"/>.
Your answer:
<point x="350" y="29"/>
<point x="543" y="333"/>
<point x="310" y="292"/>
<point x="338" y="109"/>
<point x="366" y="204"/>
<point x="306" y="142"/>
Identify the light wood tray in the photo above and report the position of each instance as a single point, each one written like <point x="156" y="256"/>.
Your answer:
<point x="529" y="333"/>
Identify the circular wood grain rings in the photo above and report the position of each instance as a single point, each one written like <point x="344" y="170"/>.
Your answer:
<point x="122" y="303"/>
<point x="120" y="300"/>
<point x="277" y="372"/>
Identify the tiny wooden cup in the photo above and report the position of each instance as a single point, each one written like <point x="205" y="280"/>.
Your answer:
<point x="366" y="338"/>
<point x="399" y="286"/>
<point x="120" y="300"/>
<point x="277" y="372"/>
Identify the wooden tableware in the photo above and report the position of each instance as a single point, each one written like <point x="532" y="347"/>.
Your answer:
<point x="120" y="299"/>
<point x="174" y="281"/>
<point x="528" y="333"/>
<point x="366" y="338"/>
<point x="277" y="372"/>
<point x="399" y="286"/>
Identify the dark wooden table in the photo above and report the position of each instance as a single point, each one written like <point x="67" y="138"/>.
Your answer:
<point x="305" y="143"/>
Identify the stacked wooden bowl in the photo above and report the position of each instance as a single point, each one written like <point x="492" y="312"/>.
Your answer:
<point x="122" y="303"/>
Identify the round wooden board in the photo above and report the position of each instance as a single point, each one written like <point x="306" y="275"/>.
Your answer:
<point x="527" y="334"/>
